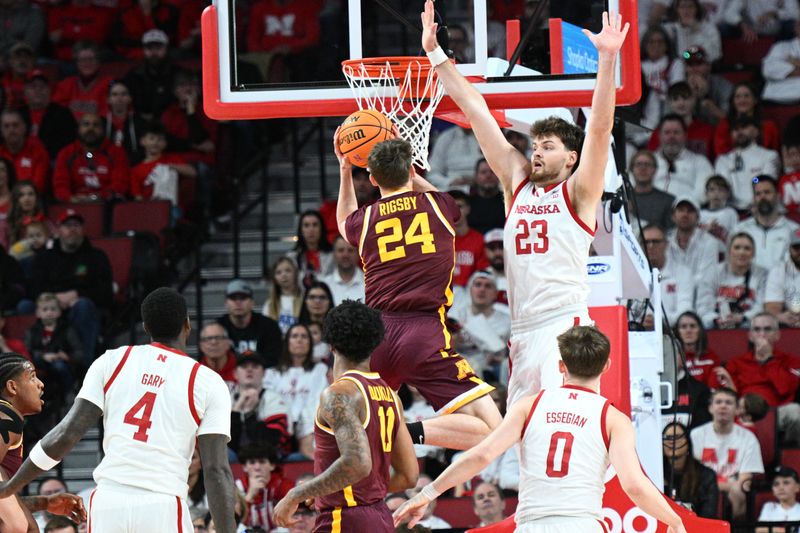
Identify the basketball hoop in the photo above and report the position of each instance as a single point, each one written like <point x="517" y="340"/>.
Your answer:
<point x="405" y="89"/>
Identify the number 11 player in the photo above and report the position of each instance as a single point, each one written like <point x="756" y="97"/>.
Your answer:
<point x="156" y="403"/>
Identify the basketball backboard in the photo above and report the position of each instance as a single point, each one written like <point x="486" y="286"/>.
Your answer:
<point x="246" y="74"/>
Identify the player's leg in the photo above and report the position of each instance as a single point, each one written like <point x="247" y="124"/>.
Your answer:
<point x="525" y="363"/>
<point x="465" y="427"/>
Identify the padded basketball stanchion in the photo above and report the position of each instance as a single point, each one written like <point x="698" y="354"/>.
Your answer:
<point x="405" y="89"/>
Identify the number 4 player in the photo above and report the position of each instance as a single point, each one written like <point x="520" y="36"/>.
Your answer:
<point x="550" y="208"/>
<point x="156" y="403"/>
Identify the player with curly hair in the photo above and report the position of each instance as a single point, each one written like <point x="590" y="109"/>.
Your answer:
<point x="359" y="434"/>
<point x="21" y="396"/>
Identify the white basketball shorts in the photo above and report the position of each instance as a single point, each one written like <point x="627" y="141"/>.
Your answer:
<point x="124" y="509"/>
<point x="562" y="524"/>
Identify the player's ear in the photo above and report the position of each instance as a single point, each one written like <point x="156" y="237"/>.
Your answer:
<point x="372" y="180"/>
<point x="187" y="326"/>
<point x="144" y="327"/>
<point x="572" y="158"/>
<point x="562" y="367"/>
<point x="606" y="366"/>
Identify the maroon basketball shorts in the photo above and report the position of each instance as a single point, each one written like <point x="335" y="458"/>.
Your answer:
<point x="373" y="518"/>
<point x="416" y="350"/>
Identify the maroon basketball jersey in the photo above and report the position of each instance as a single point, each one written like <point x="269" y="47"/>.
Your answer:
<point x="380" y="422"/>
<point x="13" y="458"/>
<point x="407" y="245"/>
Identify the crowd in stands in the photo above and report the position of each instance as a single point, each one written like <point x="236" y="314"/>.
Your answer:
<point x="100" y="103"/>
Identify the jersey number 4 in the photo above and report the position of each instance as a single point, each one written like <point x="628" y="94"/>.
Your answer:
<point x="145" y="404"/>
<point x="531" y="237"/>
<point x="419" y="232"/>
<point x="559" y="454"/>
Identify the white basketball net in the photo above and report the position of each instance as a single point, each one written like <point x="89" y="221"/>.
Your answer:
<point x="408" y="99"/>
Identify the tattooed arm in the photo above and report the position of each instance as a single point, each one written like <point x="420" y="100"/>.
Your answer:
<point x="342" y="409"/>
<point x="57" y="443"/>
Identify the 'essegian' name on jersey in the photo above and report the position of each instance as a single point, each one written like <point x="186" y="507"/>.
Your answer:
<point x="152" y="380"/>
<point x="563" y="417"/>
<point x="398" y="204"/>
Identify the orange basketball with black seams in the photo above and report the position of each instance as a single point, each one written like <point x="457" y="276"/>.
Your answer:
<point x="360" y="132"/>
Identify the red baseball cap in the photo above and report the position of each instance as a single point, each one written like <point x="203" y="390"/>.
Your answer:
<point x="70" y="214"/>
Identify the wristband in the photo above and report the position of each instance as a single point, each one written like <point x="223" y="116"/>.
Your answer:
<point x="428" y="491"/>
<point x="437" y="56"/>
<point x="40" y="458"/>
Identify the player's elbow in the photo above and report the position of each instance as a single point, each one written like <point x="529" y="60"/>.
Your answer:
<point x="634" y="488"/>
<point x="361" y="466"/>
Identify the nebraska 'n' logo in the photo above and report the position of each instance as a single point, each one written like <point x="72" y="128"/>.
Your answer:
<point x="162" y="358"/>
<point x="573" y="395"/>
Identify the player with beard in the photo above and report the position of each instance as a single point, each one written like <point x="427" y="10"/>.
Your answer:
<point x="550" y="205"/>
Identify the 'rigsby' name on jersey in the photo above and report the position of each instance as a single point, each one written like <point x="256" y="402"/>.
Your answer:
<point x="406" y="203"/>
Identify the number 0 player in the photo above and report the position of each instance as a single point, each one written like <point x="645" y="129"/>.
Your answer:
<point x="407" y="244"/>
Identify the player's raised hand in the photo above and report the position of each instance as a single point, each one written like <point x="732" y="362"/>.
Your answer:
<point x="610" y="39"/>
<point x="429" y="28"/>
<point x="414" y="508"/>
<point x="68" y="505"/>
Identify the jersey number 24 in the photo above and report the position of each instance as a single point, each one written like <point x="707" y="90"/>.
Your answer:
<point x="531" y="237"/>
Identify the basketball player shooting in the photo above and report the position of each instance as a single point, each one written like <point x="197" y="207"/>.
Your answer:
<point x="551" y="206"/>
<point x="568" y="435"/>
<point x="156" y="403"/>
<point x="406" y="241"/>
<point x="359" y="433"/>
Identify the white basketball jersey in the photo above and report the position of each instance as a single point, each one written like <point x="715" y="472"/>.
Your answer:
<point x="546" y="247"/>
<point x="563" y="455"/>
<point x="155" y="401"/>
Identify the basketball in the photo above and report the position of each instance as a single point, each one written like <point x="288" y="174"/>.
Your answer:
<point x="360" y="132"/>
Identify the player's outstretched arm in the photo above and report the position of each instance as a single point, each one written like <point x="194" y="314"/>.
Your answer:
<point x="622" y="452"/>
<point x="218" y="480"/>
<point x="342" y="409"/>
<point x="588" y="180"/>
<point x="510" y="166"/>
<point x="347" y="202"/>
<point x="404" y="460"/>
<point x="55" y="445"/>
<point x="470" y="463"/>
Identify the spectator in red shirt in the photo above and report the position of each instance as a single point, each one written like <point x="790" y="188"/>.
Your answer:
<point x="87" y="91"/>
<point x="21" y="60"/>
<point x="123" y="124"/>
<point x="30" y="158"/>
<point x="90" y="168"/>
<point x="158" y="174"/>
<point x="216" y="352"/>
<point x="151" y="82"/>
<point x="701" y="362"/>
<point x="699" y="134"/>
<point x="188" y="38"/>
<point x="767" y="372"/>
<point x="140" y="18"/>
<point x="264" y="485"/>
<point x="189" y="131"/>
<point x="470" y="253"/>
<point x="789" y="184"/>
<point x="52" y="123"/>
<point x="745" y="101"/>
<point x="77" y="20"/>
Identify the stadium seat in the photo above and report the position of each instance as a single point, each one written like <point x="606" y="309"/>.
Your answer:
<point x="120" y="253"/>
<point x="146" y="215"/>
<point x="738" y="76"/>
<point x="92" y="213"/>
<point x="736" y="52"/>
<point x="761" y="497"/>
<point x="296" y="469"/>
<point x="781" y="114"/>
<point x="16" y="325"/>
<point x="766" y="431"/>
<point x="791" y="457"/>
<point x="730" y="343"/>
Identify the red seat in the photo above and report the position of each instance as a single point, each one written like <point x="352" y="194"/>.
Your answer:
<point x="296" y="469"/>
<point x="120" y="253"/>
<point x="727" y="343"/>
<point x="766" y="431"/>
<point x="791" y="457"/>
<point x="144" y="215"/>
<point x="737" y="52"/>
<point x="92" y="214"/>
<point x="738" y="76"/>
<point x="762" y="497"/>
<point x="781" y="114"/>
<point x="16" y="326"/>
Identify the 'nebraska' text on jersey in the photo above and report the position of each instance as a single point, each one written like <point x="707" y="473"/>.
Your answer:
<point x="563" y="455"/>
<point x="546" y="246"/>
<point x="381" y="419"/>
<point x="156" y="401"/>
<point x="407" y="244"/>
